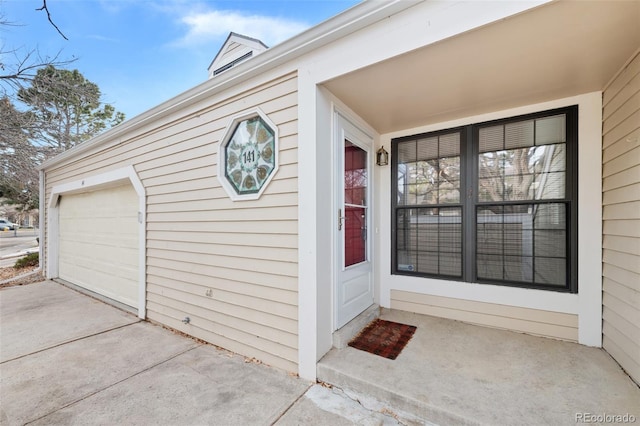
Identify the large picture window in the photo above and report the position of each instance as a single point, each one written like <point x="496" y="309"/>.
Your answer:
<point x="490" y="202"/>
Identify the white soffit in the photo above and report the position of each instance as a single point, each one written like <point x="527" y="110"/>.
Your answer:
<point x="557" y="50"/>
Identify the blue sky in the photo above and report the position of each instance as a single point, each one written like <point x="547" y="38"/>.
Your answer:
<point x="143" y="52"/>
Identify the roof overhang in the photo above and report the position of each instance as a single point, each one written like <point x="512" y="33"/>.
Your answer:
<point x="343" y="24"/>
<point x="556" y="50"/>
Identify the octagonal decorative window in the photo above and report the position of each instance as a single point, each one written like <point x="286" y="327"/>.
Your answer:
<point x="248" y="155"/>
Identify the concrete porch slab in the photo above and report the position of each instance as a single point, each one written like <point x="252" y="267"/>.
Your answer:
<point x="456" y="373"/>
<point x="342" y="337"/>
<point x="43" y="315"/>
<point x="338" y="408"/>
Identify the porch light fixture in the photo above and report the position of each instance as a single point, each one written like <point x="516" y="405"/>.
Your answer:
<point x="382" y="157"/>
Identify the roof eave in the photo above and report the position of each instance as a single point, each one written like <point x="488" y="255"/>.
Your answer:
<point x="347" y="22"/>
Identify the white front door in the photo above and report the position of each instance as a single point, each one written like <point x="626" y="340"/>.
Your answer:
<point x="354" y="278"/>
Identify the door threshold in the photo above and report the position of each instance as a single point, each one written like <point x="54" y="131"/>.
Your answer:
<point x="343" y="336"/>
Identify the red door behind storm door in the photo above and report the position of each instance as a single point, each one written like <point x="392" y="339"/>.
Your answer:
<point x="355" y="204"/>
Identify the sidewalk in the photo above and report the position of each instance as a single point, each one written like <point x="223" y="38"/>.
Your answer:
<point x="19" y="253"/>
<point x="12" y="247"/>
<point x="66" y="358"/>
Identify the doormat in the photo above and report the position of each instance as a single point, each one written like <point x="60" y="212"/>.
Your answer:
<point x="383" y="338"/>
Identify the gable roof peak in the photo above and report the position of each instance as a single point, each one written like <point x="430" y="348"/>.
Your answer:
<point x="235" y="49"/>
<point x="233" y="34"/>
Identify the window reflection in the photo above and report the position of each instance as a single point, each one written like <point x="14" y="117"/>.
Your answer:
<point x="429" y="171"/>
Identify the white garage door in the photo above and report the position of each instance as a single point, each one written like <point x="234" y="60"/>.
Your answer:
<point x="99" y="242"/>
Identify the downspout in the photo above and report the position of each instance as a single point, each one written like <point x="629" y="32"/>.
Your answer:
<point x="41" y="207"/>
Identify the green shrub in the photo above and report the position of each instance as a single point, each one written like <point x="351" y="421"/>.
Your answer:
<point x="28" y="260"/>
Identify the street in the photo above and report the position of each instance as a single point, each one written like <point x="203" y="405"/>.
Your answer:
<point x="14" y="242"/>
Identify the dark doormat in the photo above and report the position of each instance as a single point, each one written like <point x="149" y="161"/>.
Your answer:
<point x="384" y="338"/>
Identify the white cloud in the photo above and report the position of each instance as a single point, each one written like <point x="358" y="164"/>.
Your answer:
<point x="111" y="6"/>
<point x="206" y="26"/>
<point x="103" y="38"/>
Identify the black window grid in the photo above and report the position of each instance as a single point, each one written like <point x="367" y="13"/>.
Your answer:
<point x="469" y="205"/>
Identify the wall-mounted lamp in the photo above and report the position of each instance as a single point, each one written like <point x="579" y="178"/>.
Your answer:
<point x="382" y="157"/>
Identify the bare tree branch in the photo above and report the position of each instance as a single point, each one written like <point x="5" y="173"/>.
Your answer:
<point x="23" y="68"/>
<point x="46" y="9"/>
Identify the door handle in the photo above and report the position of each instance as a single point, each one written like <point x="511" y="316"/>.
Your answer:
<point x="340" y="219"/>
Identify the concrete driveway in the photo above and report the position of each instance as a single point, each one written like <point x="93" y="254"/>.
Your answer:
<point x="66" y="358"/>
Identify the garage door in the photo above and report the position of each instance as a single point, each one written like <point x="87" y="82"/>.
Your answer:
<point x="98" y="242"/>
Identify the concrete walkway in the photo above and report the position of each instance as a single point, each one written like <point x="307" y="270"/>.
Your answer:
<point x="454" y="373"/>
<point x="66" y="358"/>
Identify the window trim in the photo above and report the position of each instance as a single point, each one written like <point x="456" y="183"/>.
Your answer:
<point x="230" y="130"/>
<point x="469" y="174"/>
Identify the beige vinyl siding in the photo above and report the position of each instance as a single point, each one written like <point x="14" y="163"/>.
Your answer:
<point x="621" y="218"/>
<point x="195" y="132"/>
<point x="231" y="267"/>
<point x="531" y="321"/>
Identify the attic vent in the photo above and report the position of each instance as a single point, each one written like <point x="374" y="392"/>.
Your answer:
<point x="232" y="63"/>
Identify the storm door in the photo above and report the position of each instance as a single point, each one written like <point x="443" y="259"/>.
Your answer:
<point x="354" y="281"/>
